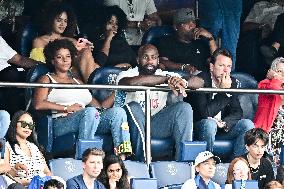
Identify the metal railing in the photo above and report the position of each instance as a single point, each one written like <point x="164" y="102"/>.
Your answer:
<point x="147" y="98"/>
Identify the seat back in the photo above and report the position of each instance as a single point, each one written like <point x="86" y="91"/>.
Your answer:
<point x="26" y="38"/>
<point x="140" y="183"/>
<point x="103" y="76"/>
<point x="136" y="169"/>
<point x="220" y="175"/>
<point x="153" y="35"/>
<point x="32" y="76"/>
<point x="84" y="144"/>
<point x="170" y="172"/>
<point x="66" y="168"/>
<point x="2" y="147"/>
<point x="246" y="184"/>
<point x="190" y="150"/>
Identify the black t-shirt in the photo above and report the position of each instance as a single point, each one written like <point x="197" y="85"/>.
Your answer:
<point x="194" y="53"/>
<point x="265" y="172"/>
<point x="119" y="52"/>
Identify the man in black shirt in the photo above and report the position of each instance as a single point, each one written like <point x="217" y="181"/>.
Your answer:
<point x="189" y="48"/>
<point x="261" y="169"/>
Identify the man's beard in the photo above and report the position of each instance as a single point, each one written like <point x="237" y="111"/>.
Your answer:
<point x="144" y="70"/>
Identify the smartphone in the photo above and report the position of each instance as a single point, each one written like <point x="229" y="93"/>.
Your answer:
<point x="2" y="147"/>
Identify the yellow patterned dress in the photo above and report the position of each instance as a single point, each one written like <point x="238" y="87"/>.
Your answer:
<point x="37" y="54"/>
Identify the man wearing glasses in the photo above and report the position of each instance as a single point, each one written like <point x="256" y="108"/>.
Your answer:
<point x="167" y="119"/>
<point x="141" y="15"/>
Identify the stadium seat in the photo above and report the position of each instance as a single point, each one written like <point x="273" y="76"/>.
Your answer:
<point x="220" y="175"/>
<point x="66" y="168"/>
<point x="190" y="149"/>
<point x="140" y="183"/>
<point x="26" y="37"/>
<point x="153" y="35"/>
<point x="84" y="144"/>
<point x="248" y="184"/>
<point x="171" y="173"/>
<point x="136" y="169"/>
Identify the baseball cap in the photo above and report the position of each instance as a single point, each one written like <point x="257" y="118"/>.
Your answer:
<point x="203" y="156"/>
<point x="184" y="15"/>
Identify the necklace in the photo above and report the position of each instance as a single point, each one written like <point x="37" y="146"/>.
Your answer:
<point x="253" y="170"/>
<point x="131" y="8"/>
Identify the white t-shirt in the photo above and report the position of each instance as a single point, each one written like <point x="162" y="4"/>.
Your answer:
<point x="137" y="11"/>
<point x="6" y="53"/>
<point x="158" y="99"/>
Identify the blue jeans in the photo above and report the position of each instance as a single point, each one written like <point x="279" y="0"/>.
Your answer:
<point x="4" y="122"/>
<point x="222" y="16"/>
<point x="89" y="121"/>
<point x="206" y="130"/>
<point x="172" y="121"/>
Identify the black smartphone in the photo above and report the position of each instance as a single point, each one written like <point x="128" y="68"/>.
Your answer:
<point x="2" y="147"/>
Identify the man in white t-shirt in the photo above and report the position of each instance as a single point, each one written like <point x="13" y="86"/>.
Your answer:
<point x="167" y="120"/>
<point x="141" y="15"/>
<point x="10" y="61"/>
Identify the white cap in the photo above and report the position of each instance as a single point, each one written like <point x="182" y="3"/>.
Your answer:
<point x="203" y="156"/>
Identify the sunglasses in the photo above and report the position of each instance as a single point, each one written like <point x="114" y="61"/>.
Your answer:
<point x="24" y="124"/>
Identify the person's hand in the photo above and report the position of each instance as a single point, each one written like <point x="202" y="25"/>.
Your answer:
<point x="20" y="166"/>
<point x="176" y="83"/>
<point x="147" y="23"/>
<point x="195" y="82"/>
<point x="110" y="34"/>
<point x="220" y="123"/>
<point x="74" y="108"/>
<point x="113" y="182"/>
<point x="226" y="81"/>
<point x="198" y="32"/>
<point x="271" y="74"/>
<point x="190" y="69"/>
<point x="123" y="65"/>
<point x="83" y="43"/>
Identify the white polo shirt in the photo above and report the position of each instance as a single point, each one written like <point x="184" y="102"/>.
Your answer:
<point x="6" y="53"/>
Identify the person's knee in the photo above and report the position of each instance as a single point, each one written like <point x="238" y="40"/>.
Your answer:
<point x="91" y="112"/>
<point x="246" y="124"/>
<point x="4" y="115"/>
<point x="184" y="107"/>
<point x="118" y="112"/>
<point x="134" y="106"/>
<point x="209" y="126"/>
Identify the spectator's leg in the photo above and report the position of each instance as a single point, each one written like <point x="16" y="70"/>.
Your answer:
<point x="114" y="121"/>
<point x="237" y="133"/>
<point x="175" y="120"/>
<point x="136" y="122"/>
<point x="206" y="130"/>
<point x="230" y="34"/>
<point x="4" y="122"/>
<point x="85" y="122"/>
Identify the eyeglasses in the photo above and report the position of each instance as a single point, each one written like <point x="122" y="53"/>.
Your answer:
<point x="112" y="171"/>
<point x="24" y="124"/>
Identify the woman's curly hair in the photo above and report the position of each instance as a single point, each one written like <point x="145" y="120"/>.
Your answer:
<point x="52" y="47"/>
<point x="51" y="12"/>
<point x="123" y="182"/>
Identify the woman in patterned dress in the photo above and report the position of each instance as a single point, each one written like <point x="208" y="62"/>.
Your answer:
<point x="22" y="151"/>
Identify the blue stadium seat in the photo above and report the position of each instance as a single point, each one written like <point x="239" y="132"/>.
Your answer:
<point x="153" y="35"/>
<point x="140" y="183"/>
<point x="26" y="38"/>
<point x="136" y="169"/>
<point x="66" y="168"/>
<point x="220" y="175"/>
<point x="84" y="144"/>
<point x="171" y="173"/>
<point x="249" y="184"/>
<point x="190" y="149"/>
<point x="282" y="155"/>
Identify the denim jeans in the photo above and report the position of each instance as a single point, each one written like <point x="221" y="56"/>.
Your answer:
<point x="222" y="16"/>
<point x="89" y="121"/>
<point x="4" y="122"/>
<point x="175" y="121"/>
<point x="207" y="130"/>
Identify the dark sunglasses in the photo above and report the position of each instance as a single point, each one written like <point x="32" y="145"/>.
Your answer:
<point x="24" y="124"/>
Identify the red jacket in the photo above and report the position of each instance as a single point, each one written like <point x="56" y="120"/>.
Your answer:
<point x="268" y="105"/>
